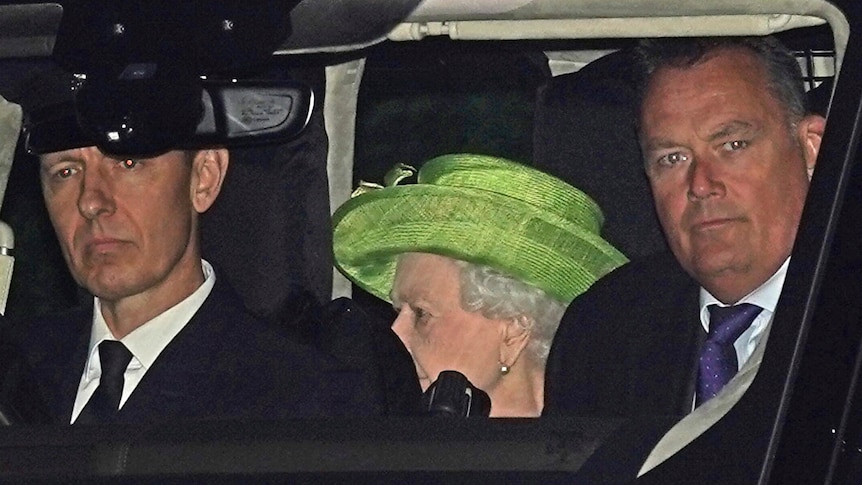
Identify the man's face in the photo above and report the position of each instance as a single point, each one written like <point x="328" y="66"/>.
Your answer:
<point x="728" y="172"/>
<point x="125" y="226"/>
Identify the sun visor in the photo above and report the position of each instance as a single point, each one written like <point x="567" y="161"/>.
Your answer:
<point x="343" y="25"/>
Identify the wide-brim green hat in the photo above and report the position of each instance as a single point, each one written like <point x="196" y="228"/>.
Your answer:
<point x="480" y="209"/>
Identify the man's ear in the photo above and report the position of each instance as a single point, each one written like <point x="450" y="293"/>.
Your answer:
<point x="516" y="335"/>
<point x="810" y="132"/>
<point x="208" y="171"/>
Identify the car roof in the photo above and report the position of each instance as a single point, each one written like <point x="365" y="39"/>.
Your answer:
<point x="29" y="28"/>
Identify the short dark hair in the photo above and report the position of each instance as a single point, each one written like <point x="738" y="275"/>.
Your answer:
<point x="782" y="69"/>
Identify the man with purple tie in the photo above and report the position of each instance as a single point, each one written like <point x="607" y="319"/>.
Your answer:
<point x="728" y="147"/>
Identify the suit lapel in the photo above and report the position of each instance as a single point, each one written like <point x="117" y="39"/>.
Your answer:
<point x="75" y="370"/>
<point x="184" y="372"/>
<point x="690" y="336"/>
<point x="664" y="351"/>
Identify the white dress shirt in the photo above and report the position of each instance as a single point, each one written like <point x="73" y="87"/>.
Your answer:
<point x="145" y="342"/>
<point x="765" y="296"/>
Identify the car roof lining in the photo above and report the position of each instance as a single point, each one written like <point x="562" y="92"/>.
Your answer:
<point x="593" y="19"/>
<point x="29" y="29"/>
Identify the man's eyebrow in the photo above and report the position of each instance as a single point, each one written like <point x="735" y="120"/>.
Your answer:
<point x="731" y="128"/>
<point x="659" y="144"/>
<point x="47" y="160"/>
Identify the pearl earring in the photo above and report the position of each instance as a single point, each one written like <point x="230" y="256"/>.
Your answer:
<point x="504" y="369"/>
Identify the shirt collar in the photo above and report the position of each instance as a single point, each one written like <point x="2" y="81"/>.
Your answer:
<point x="147" y="341"/>
<point x="765" y="296"/>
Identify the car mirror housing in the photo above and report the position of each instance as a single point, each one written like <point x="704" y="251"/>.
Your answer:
<point x="147" y="117"/>
<point x="241" y="113"/>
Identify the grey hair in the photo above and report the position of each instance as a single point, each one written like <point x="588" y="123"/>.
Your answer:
<point x="496" y="295"/>
<point x="784" y="75"/>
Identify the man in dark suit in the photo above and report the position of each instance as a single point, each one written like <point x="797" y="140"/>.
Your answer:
<point x="165" y="337"/>
<point x="728" y="149"/>
<point x="224" y="364"/>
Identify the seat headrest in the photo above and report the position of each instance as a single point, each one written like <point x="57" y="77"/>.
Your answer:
<point x="585" y="134"/>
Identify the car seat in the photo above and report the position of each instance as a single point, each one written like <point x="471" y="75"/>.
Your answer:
<point x="269" y="231"/>
<point x="270" y="235"/>
<point x="585" y="134"/>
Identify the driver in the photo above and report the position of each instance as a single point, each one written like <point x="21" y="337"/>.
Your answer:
<point x="165" y="337"/>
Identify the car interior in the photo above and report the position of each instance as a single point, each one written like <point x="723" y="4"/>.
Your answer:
<point x="350" y="88"/>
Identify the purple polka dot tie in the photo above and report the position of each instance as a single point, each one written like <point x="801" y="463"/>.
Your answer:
<point x="718" y="362"/>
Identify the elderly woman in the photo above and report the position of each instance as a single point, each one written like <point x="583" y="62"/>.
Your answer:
<point x="479" y="259"/>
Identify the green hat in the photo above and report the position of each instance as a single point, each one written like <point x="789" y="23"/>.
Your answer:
<point x="480" y="209"/>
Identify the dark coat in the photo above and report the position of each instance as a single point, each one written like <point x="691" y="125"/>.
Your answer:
<point x="225" y="364"/>
<point x="629" y="345"/>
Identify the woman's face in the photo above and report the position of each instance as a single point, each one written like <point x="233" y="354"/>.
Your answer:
<point x="439" y="334"/>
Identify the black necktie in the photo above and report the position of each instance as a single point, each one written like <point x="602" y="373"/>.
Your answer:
<point x="718" y="363"/>
<point x="105" y="401"/>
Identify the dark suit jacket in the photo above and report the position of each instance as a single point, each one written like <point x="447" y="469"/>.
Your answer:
<point x="224" y="364"/>
<point x="629" y="345"/>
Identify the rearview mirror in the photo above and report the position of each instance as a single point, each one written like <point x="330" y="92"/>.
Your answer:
<point x="145" y="117"/>
<point x="245" y="112"/>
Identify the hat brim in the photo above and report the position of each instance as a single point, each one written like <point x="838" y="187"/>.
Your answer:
<point x="477" y="226"/>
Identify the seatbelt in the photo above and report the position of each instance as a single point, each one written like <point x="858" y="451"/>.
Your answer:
<point x="10" y="128"/>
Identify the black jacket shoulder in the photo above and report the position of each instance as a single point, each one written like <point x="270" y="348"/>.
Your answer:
<point x="626" y="346"/>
